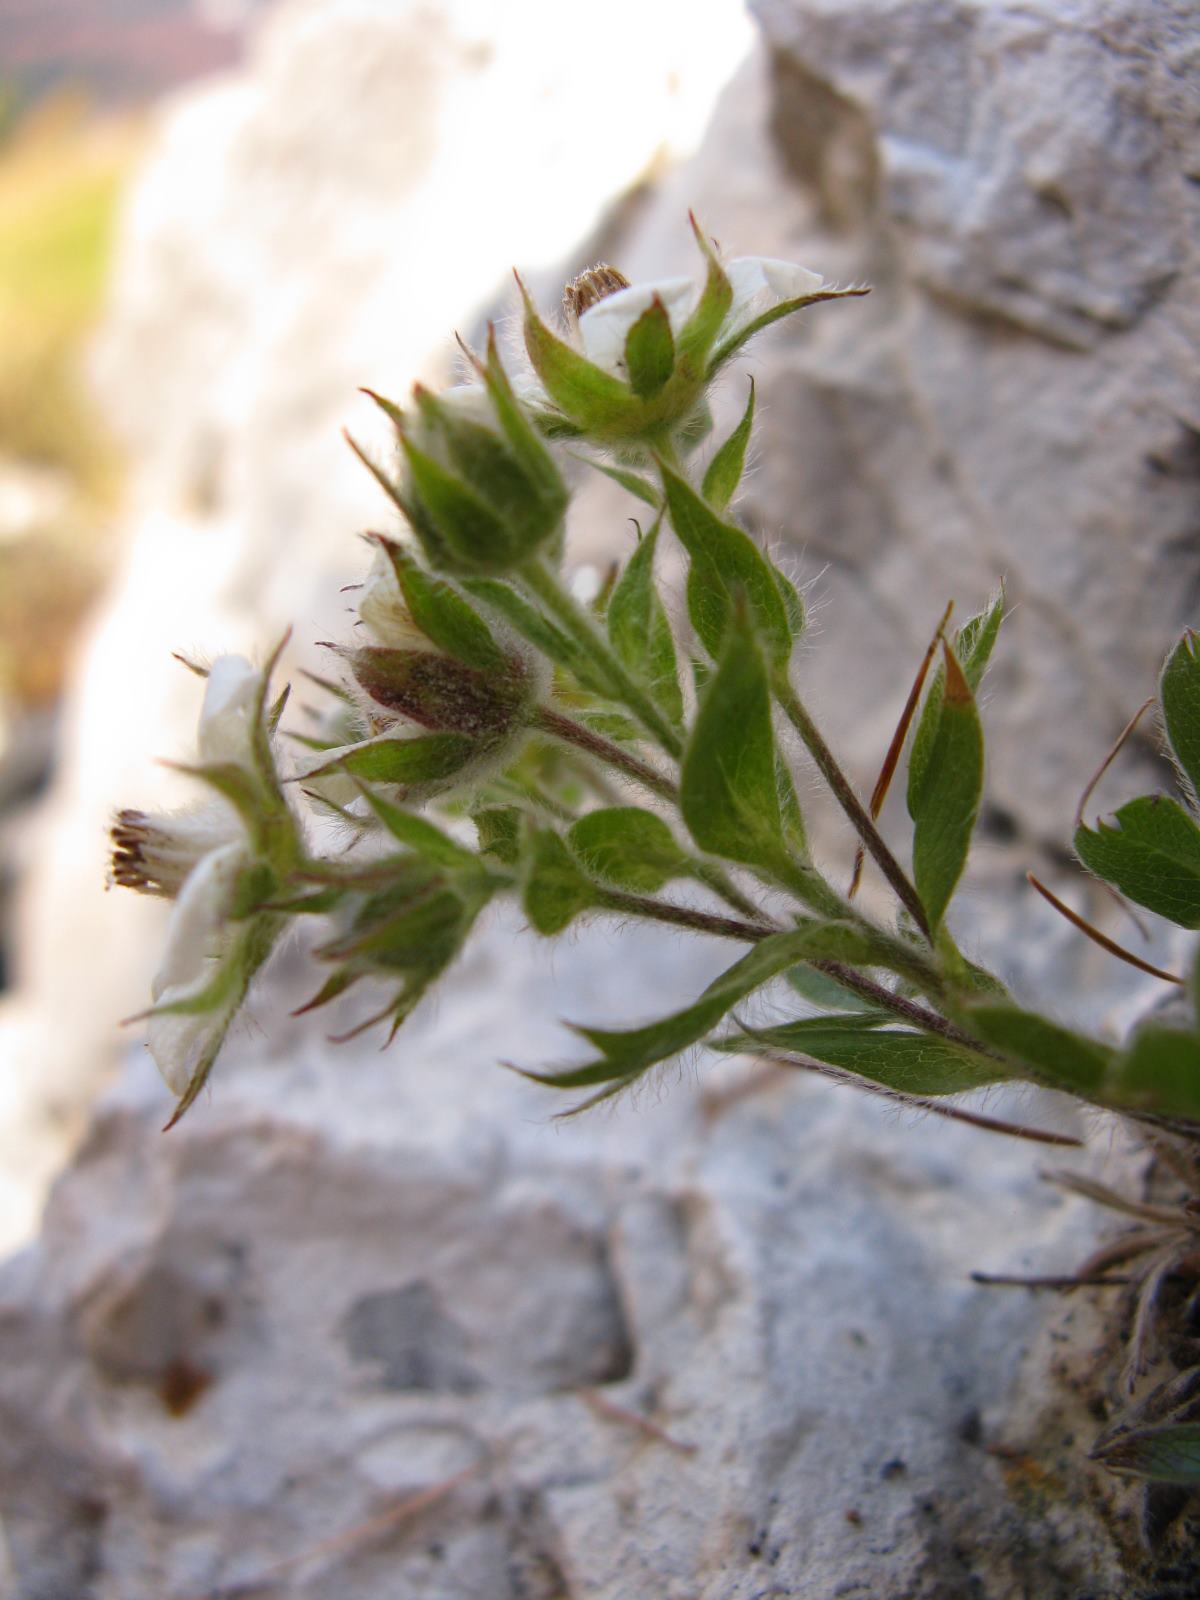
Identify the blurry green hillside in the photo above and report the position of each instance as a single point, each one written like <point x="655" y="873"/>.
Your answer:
<point x="61" y="173"/>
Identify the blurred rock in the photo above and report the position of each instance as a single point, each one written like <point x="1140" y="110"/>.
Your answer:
<point x="717" y="1344"/>
<point x="322" y="221"/>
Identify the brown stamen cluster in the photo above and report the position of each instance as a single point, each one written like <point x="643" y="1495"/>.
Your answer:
<point x="596" y="284"/>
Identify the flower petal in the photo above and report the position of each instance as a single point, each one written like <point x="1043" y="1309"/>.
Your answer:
<point x="193" y="935"/>
<point x="227" y="716"/>
<point x="760" y="283"/>
<point x="604" y="327"/>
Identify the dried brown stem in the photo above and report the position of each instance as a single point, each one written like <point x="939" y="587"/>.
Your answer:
<point x="1094" y="934"/>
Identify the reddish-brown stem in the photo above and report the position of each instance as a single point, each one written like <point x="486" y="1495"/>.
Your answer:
<point x="1102" y="939"/>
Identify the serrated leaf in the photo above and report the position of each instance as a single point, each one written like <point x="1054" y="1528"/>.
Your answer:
<point x="726" y="467"/>
<point x="900" y="1059"/>
<point x="1152" y="855"/>
<point x="626" y="1054"/>
<point x="555" y="890"/>
<point x="973" y="644"/>
<point x="402" y="761"/>
<point x="946" y="803"/>
<point x="1179" y="691"/>
<point x="628" y="847"/>
<point x="1166" y="1453"/>
<point x="640" y="632"/>
<point x="729" y="791"/>
<point x="650" y="351"/>
<point x="1159" y="1072"/>
<point x="1051" y="1053"/>
<point x="725" y="565"/>
<point x="442" y="614"/>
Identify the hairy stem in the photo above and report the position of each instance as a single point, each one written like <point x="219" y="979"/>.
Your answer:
<point x="696" y="921"/>
<point x="595" y="744"/>
<point x="543" y="584"/>
<point x="843" y="792"/>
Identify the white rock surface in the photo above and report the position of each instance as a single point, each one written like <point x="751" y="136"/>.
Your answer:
<point x="350" y="1277"/>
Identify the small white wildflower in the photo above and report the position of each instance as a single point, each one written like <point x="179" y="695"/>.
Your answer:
<point x="604" y="326"/>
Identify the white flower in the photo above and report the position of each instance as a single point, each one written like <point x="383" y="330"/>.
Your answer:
<point x="761" y="283"/>
<point x="604" y="326"/>
<point x="383" y="610"/>
<point x="183" y="1043"/>
<point x="198" y="858"/>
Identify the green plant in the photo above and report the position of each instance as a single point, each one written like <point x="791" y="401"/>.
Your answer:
<point x="490" y="735"/>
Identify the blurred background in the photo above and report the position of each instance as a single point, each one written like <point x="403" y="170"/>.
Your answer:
<point x="219" y="218"/>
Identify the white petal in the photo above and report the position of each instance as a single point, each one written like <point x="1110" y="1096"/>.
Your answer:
<point x="227" y="716"/>
<point x="761" y="283"/>
<point x="382" y="608"/>
<point x="180" y="1044"/>
<point x="604" y="327"/>
<point x="197" y="921"/>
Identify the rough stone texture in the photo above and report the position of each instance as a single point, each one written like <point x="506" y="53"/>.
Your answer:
<point x="348" y="1277"/>
<point x="345" y="1281"/>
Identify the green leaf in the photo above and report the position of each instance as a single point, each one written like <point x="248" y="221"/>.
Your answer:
<point x="726" y="467"/>
<point x="1159" y="1072"/>
<point x="729" y="791"/>
<point x="442" y="614"/>
<point x="543" y="634"/>
<point x="650" y="351"/>
<point x="946" y="803"/>
<point x="626" y="1054"/>
<point x="725" y="564"/>
<point x="973" y="644"/>
<point x="1152" y="855"/>
<point x="1051" y="1053"/>
<point x="419" y="834"/>
<point x="909" y="1062"/>
<point x="402" y="761"/>
<point x="731" y="345"/>
<point x="819" y="989"/>
<point x="1167" y="1453"/>
<point x="499" y="829"/>
<point x="640" y="632"/>
<point x="628" y="847"/>
<point x="1179" y="691"/>
<point x="555" y="890"/>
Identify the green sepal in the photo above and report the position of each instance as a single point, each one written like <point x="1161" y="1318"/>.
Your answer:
<point x="899" y="1059"/>
<point x="555" y="890"/>
<point x="726" y="467"/>
<point x="650" y="351"/>
<point x="1048" y="1052"/>
<point x="1179" y="693"/>
<point x="640" y="632"/>
<point x="587" y="394"/>
<point x="441" y="613"/>
<point x="629" y="848"/>
<point x="946" y="802"/>
<point x="699" y="332"/>
<point x="730" y="346"/>
<point x="725" y="563"/>
<point x="632" y="482"/>
<point x="543" y="634"/>
<point x="524" y="440"/>
<point x="429" y="759"/>
<point x="419" y="834"/>
<point x="729" y="785"/>
<point x="474" y="537"/>
<point x="1152" y="855"/>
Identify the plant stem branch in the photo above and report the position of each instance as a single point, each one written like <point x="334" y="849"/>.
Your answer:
<point x="558" y="726"/>
<point x="797" y="714"/>
<point x="696" y="921"/>
<point x="545" y="587"/>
